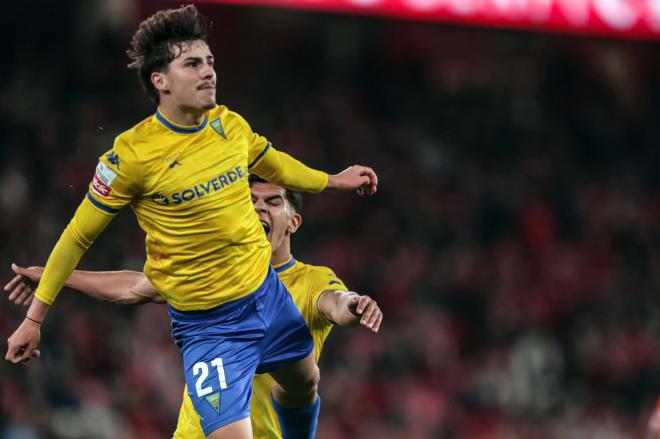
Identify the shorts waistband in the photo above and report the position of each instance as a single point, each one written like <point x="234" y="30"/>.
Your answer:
<point x="223" y="308"/>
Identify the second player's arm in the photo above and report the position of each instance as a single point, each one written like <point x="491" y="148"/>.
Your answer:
<point x="124" y="287"/>
<point x="349" y="308"/>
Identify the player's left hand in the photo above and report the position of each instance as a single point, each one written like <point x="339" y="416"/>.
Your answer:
<point x="22" y="345"/>
<point x="370" y="314"/>
<point x="361" y="179"/>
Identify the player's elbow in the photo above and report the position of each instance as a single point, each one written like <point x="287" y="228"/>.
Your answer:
<point x="127" y="297"/>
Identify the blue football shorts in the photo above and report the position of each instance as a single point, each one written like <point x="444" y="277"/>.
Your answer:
<point x="222" y="348"/>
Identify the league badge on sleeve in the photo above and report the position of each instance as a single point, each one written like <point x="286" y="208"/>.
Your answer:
<point x="103" y="178"/>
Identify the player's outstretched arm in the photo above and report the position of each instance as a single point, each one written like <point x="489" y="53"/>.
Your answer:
<point x="125" y="287"/>
<point x="349" y="308"/>
<point x="280" y="168"/>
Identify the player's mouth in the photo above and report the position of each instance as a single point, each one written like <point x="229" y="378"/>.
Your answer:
<point x="266" y="227"/>
<point x="206" y="86"/>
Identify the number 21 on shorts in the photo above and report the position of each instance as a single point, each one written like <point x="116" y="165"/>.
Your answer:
<point x="202" y="369"/>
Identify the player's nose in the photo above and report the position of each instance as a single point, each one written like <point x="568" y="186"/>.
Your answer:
<point x="208" y="72"/>
<point x="260" y="206"/>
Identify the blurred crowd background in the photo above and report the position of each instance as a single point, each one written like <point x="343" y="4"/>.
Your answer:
<point x="513" y="245"/>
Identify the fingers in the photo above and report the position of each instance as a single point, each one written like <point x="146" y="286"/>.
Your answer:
<point x="35" y="354"/>
<point x="25" y="298"/>
<point x="370" y="181"/>
<point x="21" y="352"/>
<point x="12" y="283"/>
<point x="371" y="314"/>
<point x="17" y="291"/>
<point x="373" y="178"/>
<point x="21" y="293"/>
<point x="379" y="320"/>
<point x="18" y="353"/>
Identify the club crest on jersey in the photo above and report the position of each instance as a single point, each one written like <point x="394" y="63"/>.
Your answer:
<point x="214" y="401"/>
<point x="113" y="158"/>
<point x="103" y="178"/>
<point x="217" y="126"/>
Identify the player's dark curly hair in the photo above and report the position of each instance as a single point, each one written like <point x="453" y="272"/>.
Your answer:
<point x="294" y="197"/>
<point x="159" y="40"/>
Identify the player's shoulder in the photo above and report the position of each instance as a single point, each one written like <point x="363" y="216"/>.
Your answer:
<point x="137" y="139"/>
<point x="138" y="133"/>
<point x="319" y="270"/>
<point x="319" y="274"/>
<point x="231" y="117"/>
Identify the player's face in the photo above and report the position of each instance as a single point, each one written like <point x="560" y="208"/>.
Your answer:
<point x="190" y="79"/>
<point x="277" y="216"/>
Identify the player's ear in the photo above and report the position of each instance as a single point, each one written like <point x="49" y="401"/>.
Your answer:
<point x="159" y="81"/>
<point x="294" y="223"/>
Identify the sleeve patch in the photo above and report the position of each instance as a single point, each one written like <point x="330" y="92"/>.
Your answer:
<point x="332" y="282"/>
<point x="103" y="178"/>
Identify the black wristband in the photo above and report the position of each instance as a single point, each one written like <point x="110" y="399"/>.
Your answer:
<point x="33" y="320"/>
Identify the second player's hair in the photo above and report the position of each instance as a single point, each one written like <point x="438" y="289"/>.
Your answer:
<point x="294" y="197"/>
<point x="159" y="39"/>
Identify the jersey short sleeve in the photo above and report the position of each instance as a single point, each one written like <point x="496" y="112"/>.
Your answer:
<point x="117" y="179"/>
<point x="322" y="279"/>
<point x="258" y="145"/>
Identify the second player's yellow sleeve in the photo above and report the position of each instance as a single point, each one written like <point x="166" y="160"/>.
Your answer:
<point x="323" y="279"/>
<point x="87" y="223"/>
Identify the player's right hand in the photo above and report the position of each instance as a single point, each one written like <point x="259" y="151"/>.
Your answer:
<point x="21" y="287"/>
<point x="22" y="345"/>
<point x="361" y="179"/>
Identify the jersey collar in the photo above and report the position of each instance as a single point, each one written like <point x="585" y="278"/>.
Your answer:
<point x="285" y="266"/>
<point x="190" y="129"/>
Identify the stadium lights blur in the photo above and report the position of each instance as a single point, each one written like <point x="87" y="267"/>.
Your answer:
<point x="618" y="18"/>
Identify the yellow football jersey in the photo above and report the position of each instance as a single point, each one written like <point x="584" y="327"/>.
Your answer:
<point x="189" y="190"/>
<point x="305" y="283"/>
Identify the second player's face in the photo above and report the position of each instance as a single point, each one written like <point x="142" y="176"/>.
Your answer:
<point x="277" y="216"/>
<point x="191" y="79"/>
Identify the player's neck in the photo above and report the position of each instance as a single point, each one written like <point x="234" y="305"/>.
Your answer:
<point x="281" y="254"/>
<point x="180" y="116"/>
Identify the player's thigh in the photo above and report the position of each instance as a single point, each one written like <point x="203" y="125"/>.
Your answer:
<point x="303" y="375"/>
<point x="220" y="350"/>
<point x="241" y="429"/>
<point x="287" y="339"/>
<point x="219" y="378"/>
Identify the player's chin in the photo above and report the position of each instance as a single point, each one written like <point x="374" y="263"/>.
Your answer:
<point x="209" y="105"/>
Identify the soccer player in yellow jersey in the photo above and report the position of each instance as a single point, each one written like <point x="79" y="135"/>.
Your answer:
<point x="184" y="172"/>
<point x="321" y="297"/>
